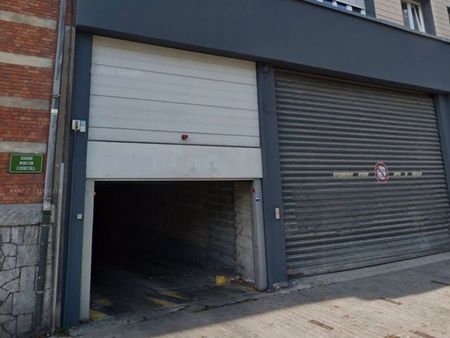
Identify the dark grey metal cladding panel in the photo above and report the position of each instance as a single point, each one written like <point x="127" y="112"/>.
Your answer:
<point x="328" y="128"/>
<point x="77" y="180"/>
<point x="273" y="228"/>
<point x="293" y="33"/>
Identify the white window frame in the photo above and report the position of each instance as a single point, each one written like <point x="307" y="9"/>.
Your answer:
<point x="414" y="9"/>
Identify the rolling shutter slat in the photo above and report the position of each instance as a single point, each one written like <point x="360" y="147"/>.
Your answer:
<point x="333" y="223"/>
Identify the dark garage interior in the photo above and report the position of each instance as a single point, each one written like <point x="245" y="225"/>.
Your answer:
<point x="162" y="245"/>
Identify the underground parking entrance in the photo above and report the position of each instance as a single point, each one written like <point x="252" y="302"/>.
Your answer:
<point x="164" y="246"/>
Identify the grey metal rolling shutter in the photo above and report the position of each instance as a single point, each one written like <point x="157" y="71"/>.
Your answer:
<point x="337" y="215"/>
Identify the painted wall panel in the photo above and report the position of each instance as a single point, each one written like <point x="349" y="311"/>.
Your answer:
<point x="144" y="93"/>
<point x="136" y="161"/>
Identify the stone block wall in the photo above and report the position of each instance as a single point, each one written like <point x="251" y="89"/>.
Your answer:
<point x="19" y="255"/>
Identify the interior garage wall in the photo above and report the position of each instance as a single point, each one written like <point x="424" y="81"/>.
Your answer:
<point x="244" y="234"/>
<point x="197" y="222"/>
<point x="220" y="222"/>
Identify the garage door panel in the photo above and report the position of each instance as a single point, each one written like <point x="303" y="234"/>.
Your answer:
<point x="370" y="248"/>
<point x="320" y="128"/>
<point x="310" y="250"/>
<point x="337" y="216"/>
<point x="375" y="254"/>
<point x="109" y="112"/>
<point x="308" y="146"/>
<point x="377" y="122"/>
<point x="141" y="85"/>
<point x="145" y="94"/>
<point x="140" y="161"/>
<point x="121" y="119"/>
<point x="402" y="111"/>
<point x="348" y="204"/>
<point x="361" y="140"/>
<point x="289" y="96"/>
<point x="170" y="137"/>
<point x="354" y="226"/>
<point x="130" y="55"/>
<point x="345" y="90"/>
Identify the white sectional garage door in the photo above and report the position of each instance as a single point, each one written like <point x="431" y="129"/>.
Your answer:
<point x="144" y="98"/>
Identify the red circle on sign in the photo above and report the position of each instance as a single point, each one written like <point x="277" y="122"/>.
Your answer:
<point x="381" y="172"/>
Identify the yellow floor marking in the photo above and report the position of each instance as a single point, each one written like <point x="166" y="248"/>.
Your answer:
<point x="103" y="301"/>
<point x="96" y="315"/>
<point x="173" y="294"/>
<point x="221" y="280"/>
<point x="162" y="302"/>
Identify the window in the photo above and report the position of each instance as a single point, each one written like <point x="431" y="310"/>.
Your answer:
<point x="448" y="10"/>
<point x="413" y="15"/>
<point x="356" y="6"/>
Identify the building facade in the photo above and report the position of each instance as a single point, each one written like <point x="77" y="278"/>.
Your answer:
<point x="272" y="138"/>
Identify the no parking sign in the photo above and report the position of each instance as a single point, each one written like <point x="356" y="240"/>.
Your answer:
<point x="381" y="172"/>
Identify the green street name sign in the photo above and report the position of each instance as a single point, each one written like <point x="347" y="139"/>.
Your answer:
<point x="25" y="163"/>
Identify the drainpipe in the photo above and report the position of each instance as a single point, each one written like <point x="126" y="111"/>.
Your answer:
<point x="47" y="205"/>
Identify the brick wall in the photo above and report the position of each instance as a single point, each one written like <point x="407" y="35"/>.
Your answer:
<point x="22" y="36"/>
<point x="40" y="8"/>
<point x="26" y="125"/>
<point x="28" y="40"/>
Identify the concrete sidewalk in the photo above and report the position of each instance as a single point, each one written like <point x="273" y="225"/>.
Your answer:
<point x="411" y="300"/>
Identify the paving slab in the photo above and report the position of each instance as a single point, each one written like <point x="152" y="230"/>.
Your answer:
<point x="412" y="300"/>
